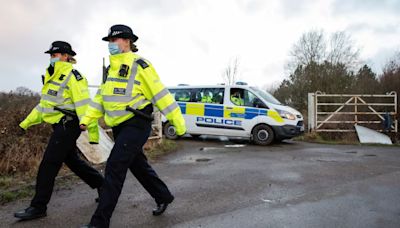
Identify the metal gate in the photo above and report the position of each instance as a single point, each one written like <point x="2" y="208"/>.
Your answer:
<point x="340" y="112"/>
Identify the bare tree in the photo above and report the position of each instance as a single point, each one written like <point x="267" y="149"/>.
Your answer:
<point x="231" y="72"/>
<point x="342" y="50"/>
<point x="23" y="91"/>
<point x="311" y="47"/>
<point x="393" y="64"/>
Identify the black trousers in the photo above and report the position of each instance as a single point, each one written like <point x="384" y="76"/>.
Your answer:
<point x="127" y="153"/>
<point x="62" y="148"/>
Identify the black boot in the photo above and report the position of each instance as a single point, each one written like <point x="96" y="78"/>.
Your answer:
<point x="30" y="213"/>
<point x="160" y="209"/>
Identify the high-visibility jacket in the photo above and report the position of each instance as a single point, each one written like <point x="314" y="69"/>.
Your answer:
<point x="237" y="100"/>
<point x="137" y="88"/>
<point x="66" y="89"/>
<point x="206" y="99"/>
<point x="184" y="99"/>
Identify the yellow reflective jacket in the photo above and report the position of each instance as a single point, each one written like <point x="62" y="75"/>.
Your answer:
<point x="237" y="100"/>
<point x="139" y="87"/>
<point x="206" y="99"/>
<point x="67" y="89"/>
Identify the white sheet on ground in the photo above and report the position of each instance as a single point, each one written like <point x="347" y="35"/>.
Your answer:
<point x="95" y="153"/>
<point x="366" y="135"/>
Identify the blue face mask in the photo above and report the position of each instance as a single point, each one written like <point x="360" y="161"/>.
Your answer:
<point x="113" y="48"/>
<point x="54" y="60"/>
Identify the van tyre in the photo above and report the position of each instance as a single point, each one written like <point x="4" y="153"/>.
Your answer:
<point x="263" y="135"/>
<point x="169" y="131"/>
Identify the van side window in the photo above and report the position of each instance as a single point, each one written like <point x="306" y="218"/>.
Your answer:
<point x="182" y="95"/>
<point x="237" y="96"/>
<point x="243" y="97"/>
<point x="218" y="96"/>
<point x="209" y="95"/>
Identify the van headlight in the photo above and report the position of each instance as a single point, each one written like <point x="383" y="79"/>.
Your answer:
<point x="286" y="114"/>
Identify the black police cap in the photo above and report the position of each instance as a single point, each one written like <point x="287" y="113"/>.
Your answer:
<point x="60" y="47"/>
<point x="120" y="31"/>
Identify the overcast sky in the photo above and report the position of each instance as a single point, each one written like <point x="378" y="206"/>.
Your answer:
<point x="189" y="41"/>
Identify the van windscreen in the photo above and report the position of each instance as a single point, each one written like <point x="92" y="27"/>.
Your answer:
<point x="266" y="96"/>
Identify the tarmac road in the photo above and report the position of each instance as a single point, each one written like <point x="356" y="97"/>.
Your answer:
<point x="292" y="184"/>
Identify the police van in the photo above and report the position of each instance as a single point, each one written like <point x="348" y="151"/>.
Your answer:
<point x="235" y="111"/>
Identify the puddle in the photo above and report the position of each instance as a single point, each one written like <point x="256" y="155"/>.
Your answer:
<point x="351" y="152"/>
<point x="210" y="148"/>
<point x="369" y="155"/>
<point x="235" y="146"/>
<point x="332" y="159"/>
<point x="191" y="159"/>
<point x="203" y="159"/>
<point x="267" y="200"/>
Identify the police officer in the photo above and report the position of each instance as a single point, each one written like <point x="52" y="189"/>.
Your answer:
<point x="131" y="84"/>
<point x="207" y="97"/>
<point x="236" y="99"/>
<point x="64" y="98"/>
<point x="183" y="96"/>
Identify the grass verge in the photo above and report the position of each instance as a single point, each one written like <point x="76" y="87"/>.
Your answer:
<point x="158" y="149"/>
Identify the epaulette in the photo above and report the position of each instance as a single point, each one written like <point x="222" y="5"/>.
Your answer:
<point x="77" y="75"/>
<point x="142" y="63"/>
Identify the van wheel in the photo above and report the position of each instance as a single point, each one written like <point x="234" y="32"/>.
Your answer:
<point x="263" y="135"/>
<point x="169" y="131"/>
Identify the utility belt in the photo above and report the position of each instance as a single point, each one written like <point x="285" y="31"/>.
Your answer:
<point x="70" y="118"/>
<point x="140" y="121"/>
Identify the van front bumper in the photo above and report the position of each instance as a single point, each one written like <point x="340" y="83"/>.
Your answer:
<point x="288" y="131"/>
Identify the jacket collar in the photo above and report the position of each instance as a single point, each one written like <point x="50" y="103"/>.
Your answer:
<point x="123" y="58"/>
<point x="60" y="67"/>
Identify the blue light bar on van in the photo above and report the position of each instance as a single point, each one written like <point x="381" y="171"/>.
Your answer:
<point x="241" y="83"/>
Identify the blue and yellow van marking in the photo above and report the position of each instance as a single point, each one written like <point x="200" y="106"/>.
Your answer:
<point x="195" y="109"/>
<point x="214" y="110"/>
<point x="202" y="109"/>
<point x="182" y="106"/>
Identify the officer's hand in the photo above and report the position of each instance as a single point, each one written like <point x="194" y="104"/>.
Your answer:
<point x="83" y="127"/>
<point x="181" y="135"/>
<point x="21" y="131"/>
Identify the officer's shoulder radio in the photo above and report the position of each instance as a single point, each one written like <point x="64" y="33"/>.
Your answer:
<point x="105" y="71"/>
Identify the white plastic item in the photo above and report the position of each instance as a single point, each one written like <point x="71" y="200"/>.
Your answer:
<point x="366" y="135"/>
<point x="95" y="153"/>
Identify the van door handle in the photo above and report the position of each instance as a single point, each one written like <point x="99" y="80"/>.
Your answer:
<point x="229" y="107"/>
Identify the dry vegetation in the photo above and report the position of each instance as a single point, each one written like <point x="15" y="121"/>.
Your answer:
<point x="20" y="153"/>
